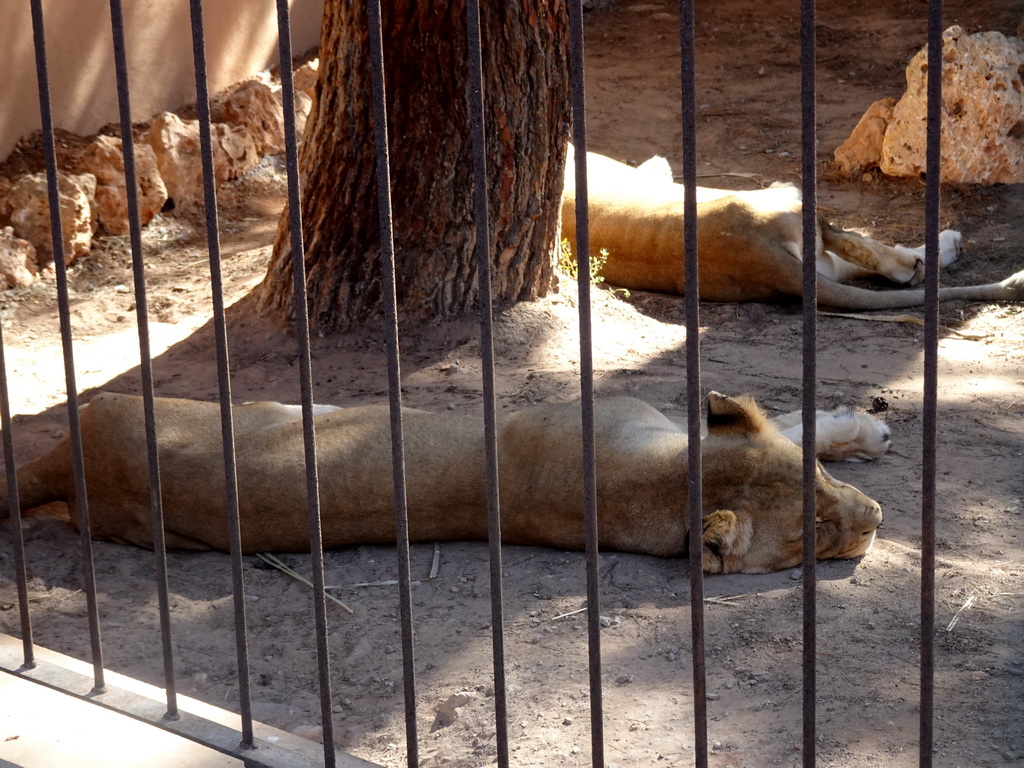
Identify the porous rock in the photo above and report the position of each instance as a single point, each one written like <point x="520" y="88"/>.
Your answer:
<point x="863" y="150"/>
<point x="303" y="106"/>
<point x="104" y="158"/>
<point x="305" y="77"/>
<point x="982" y="112"/>
<point x="254" y="107"/>
<point x="5" y="199"/>
<point x="176" y="145"/>
<point x="30" y="214"/>
<point x="235" y="152"/>
<point x="17" y="260"/>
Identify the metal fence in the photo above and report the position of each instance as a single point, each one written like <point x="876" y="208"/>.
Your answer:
<point x="245" y="743"/>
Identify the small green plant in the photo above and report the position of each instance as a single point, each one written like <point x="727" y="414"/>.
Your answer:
<point x="567" y="263"/>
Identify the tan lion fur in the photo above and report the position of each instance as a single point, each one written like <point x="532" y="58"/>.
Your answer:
<point x="752" y="480"/>
<point x="749" y="244"/>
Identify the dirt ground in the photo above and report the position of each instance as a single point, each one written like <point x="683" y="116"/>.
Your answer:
<point x="748" y="81"/>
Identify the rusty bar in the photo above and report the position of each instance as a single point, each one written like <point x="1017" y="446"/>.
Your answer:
<point x="63" y="309"/>
<point x="14" y="506"/>
<point x="930" y="404"/>
<point x="223" y="373"/>
<point x="483" y="250"/>
<point x="810" y="374"/>
<point x="145" y="354"/>
<point x="589" y="465"/>
<point x="695" y="490"/>
<point x="316" y="544"/>
<point x="387" y="242"/>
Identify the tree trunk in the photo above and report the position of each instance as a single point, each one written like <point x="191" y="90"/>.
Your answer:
<point x="526" y="114"/>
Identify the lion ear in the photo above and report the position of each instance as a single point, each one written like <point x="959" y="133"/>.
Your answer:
<point x="733" y="416"/>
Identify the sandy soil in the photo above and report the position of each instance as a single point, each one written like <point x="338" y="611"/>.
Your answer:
<point x="868" y="610"/>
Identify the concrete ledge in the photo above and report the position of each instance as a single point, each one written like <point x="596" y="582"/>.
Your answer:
<point x="50" y="716"/>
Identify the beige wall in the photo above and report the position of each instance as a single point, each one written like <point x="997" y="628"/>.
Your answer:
<point x="241" y="39"/>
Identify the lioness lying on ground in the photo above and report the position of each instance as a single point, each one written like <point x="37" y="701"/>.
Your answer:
<point x="749" y="243"/>
<point x="752" y="480"/>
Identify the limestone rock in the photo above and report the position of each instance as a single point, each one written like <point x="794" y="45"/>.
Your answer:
<point x="5" y="199"/>
<point x="863" y="150"/>
<point x="303" y="106"/>
<point x="104" y="158"/>
<point x="254" y="107"/>
<point x="175" y="143"/>
<point x="982" y="112"/>
<point x="305" y="77"/>
<point x="30" y="214"/>
<point x="234" y="152"/>
<point x="17" y="260"/>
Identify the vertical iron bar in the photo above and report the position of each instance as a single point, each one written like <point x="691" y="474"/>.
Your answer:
<point x="483" y="249"/>
<point x="223" y="373"/>
<point x="145" y="354"/>
<point x="74" y="426"/>
<point x="589" y="468"/>
<point x="14" y="506"/>
<point x="695" y="490"/>
<point x="387" y="244"/>
<point x="930" y="405"/>
<point x="810" y="375"/>
<point x="316" y="544"/>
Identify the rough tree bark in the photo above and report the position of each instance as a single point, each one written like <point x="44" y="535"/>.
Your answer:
<point x="527" y="119"/>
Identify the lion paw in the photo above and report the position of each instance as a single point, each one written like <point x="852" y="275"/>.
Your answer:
<point x="950" y="247"/>
<point x="725" y="538"/>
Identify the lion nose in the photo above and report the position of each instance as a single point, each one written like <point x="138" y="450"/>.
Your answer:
<point x="874" y="514"/>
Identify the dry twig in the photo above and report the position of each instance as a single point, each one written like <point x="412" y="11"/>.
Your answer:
<point x="271" y="560"/>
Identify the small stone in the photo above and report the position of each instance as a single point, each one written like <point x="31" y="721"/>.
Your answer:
<point x="309" y="731"/>
<point x="714" y="696"/>
<point x="567" y="721"/>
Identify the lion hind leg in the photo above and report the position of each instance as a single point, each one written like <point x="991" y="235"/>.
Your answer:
<point x="840" y="435"/>
<point x="900" y="264"/>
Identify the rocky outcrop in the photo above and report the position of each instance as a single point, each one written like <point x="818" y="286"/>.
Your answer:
<point x="305" y="77"/>
<point x="257" y="108"/>
<point x="18" y="266"/>
<point x="982" y="115"/>
<point x="175" y="143"/>
<point x="254" y="107"/>
<point x="168" y="165"/>
<point x="30" y="214"/>
<point x="104" y="158"/>
<point x="863" y="150"/>
<point x="234" y="152"/>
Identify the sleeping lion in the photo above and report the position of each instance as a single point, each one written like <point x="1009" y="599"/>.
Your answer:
<point x="749" y="243"/>
<point x="752" y="479"/>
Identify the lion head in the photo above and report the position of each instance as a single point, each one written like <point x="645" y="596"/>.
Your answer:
<point x="753" y="497"/>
